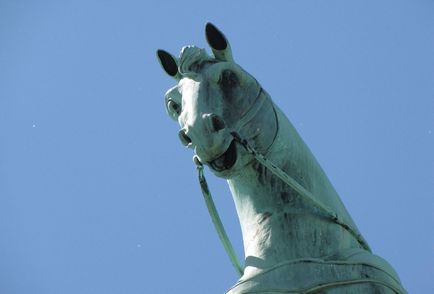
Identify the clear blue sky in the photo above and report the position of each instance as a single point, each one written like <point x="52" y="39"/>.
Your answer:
<point x="97" y="195"/>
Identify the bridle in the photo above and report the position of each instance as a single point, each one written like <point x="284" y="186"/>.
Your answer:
<point x="287" y="179"/>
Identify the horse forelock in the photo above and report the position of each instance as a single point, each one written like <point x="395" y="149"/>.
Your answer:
<point x="192" y="59"/>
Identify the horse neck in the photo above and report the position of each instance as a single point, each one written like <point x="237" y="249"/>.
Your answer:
<point x="278" y="224"/>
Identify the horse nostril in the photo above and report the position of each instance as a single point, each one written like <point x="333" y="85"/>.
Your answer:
<point x="174" y="107"/>
<point x="185" y="139"/>
<point x="217" y="123"/>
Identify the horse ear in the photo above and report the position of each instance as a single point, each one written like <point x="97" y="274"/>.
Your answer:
<point x="218" y="43"/>
<point x="168" y="63"/>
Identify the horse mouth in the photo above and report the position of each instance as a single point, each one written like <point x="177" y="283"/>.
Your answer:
<point x="226" y="160"/>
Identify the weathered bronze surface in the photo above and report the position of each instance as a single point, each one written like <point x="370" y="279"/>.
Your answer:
<point x="298" y="237"/>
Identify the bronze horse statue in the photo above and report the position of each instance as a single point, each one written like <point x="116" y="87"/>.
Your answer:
<point x="298" y="237"/>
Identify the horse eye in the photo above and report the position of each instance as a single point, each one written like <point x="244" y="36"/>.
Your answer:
<point x="174" y="107"/>
<point x="228" y="79"/>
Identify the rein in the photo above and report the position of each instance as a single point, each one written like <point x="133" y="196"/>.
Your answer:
<point x="333" y="216"/>
<point x="221" y="232"/>
<point x="297" y="187"/>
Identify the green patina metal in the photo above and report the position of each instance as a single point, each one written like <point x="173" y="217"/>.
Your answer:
<point x="298" y="237"/>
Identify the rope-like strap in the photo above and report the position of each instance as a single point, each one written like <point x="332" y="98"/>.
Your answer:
<point x="300" y="189"/>
<point x="216" y="219"/>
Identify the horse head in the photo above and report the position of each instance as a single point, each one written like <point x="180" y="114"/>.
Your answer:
<point x="214" y="97"/>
